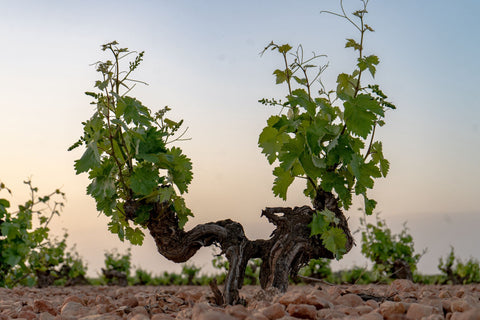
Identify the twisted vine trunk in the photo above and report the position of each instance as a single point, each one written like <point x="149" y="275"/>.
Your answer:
<point x="288" y="249"/>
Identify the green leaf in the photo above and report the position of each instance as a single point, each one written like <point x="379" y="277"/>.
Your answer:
<point x="165" y="193"/>
<point x="361" y="113"/>
<point x="103" y="183"/>
<point x="271" y="142"/>
<point x="334" y="240"/>
<point x="338" y="182"/>
<point x="181" y="172"/>
<point x="378" y="158"/>
<point x="321" y="221"/>
<point x="133" y="111"/>
<point x="300" y="98"/>
<point x="290" y="152"/>
<point x="150" y="145"/>
<point x="282" y="181"/>
<point x="364" y="172"/>
<point x="182" y="211"/>
<point x="314" y="135"/>
<point x="309" y="167"/>
<point x="368" y="62"/>
<point x="345" y="86"/>
<point x="370" y="205"/>
<point x="144" y="179"/>
<point x="284" y="48"/>
<point x="101" y="85"/>
<point x="318" y="225"/>
<point x="135" y="236"/>
<point x="280" y="76"/>
<point x="3" y="205"/>
<point x="351" y="43"/>
<point x="339" y="151"/>
<point x="90" y="159"/>
<point x="301" y="81"/>
<point x="116" y="228"/>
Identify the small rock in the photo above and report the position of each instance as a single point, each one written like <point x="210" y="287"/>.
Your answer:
<point x="27" y="308"/>
<point x="434" y="302"/>
<point x="418" y="311"/>
<point x="472" y="314"/>
<point x="43" y="316"/>
<point x="330" y="314"/>
<point x="238" y="311"/>
<point x="40" y="306"/>
<point x="389" y="308"/>
<point x="349" y="300"/>
<point x="334" y="292"/>
<point x="104" y="308"/>
<point x="318" y="302"/>
<point x="363" y="309"/>
<point x="371" y="316"/>
<point x="137" y="310"/>
<point x="74" y="310"/>
<point x="162" y="316"/>
<point x="139" y="316"/>
<point x="434" y="317"/>
<point x="101" y="299"/>
<point x="101" y="317"/>
<point x="142" y="298"/>
<point x="372" y="303"/>
<point x="349" y="311"/>
<point x="214" y="315"/>
<point x="460" y="293"/>
<point x="403" y="285"/>
<point x="185" y="314"/>
<point x="72" y="299"/>
<point x="275" y="311"/>
<point x="461" y="305"/>
<point x="303" y="311"/>
<point x="130" y="302"/>
<point x="292" y="297"/>
<point x="190" y="295"/>
<point x="29" y="315"/>
<point x="256" y="316"/>
<point x="200" y="308"/>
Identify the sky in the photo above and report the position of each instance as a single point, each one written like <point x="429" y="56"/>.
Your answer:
<point x="202" y="58"/>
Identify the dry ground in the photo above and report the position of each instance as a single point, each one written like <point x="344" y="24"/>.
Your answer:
<point x="400" y="300"/>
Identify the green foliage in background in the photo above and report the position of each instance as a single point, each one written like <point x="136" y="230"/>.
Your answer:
<point x="384" y="248"/>
<point x="24" y="231"/>
<point x="354" y="275"/>
<point x="117" y="261"/>
<point x="62" y="266"/>
<point x="128" y="153"/>
<point x="326" y="137"/>
<point x="252" y="270"/>
<point x="455" y="271"/>
<point x="317" y="268"/>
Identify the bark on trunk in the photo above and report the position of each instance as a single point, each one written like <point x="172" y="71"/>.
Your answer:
<point x="288" y="249"/>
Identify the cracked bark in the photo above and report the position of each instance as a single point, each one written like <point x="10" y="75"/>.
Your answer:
<point x="283" y="254"/>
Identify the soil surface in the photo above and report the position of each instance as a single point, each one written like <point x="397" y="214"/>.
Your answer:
<point x="400" y="300"/>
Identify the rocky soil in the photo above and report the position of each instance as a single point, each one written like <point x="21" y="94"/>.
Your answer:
<point x="400" y="300"/>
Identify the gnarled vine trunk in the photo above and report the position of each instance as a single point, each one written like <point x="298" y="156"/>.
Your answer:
<point x="289" y="247"/>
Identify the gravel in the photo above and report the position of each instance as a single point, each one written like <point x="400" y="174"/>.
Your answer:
<point x="402" y="299"/>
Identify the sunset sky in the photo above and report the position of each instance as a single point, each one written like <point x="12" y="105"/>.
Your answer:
<point x="202" y="59"/>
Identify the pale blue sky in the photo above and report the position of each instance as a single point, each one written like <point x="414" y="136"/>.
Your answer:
<point x="202" y="58"/>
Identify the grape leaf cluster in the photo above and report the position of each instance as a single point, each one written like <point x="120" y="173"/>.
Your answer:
<point x="327" y="138"/>
<point x="128" y="155"/>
